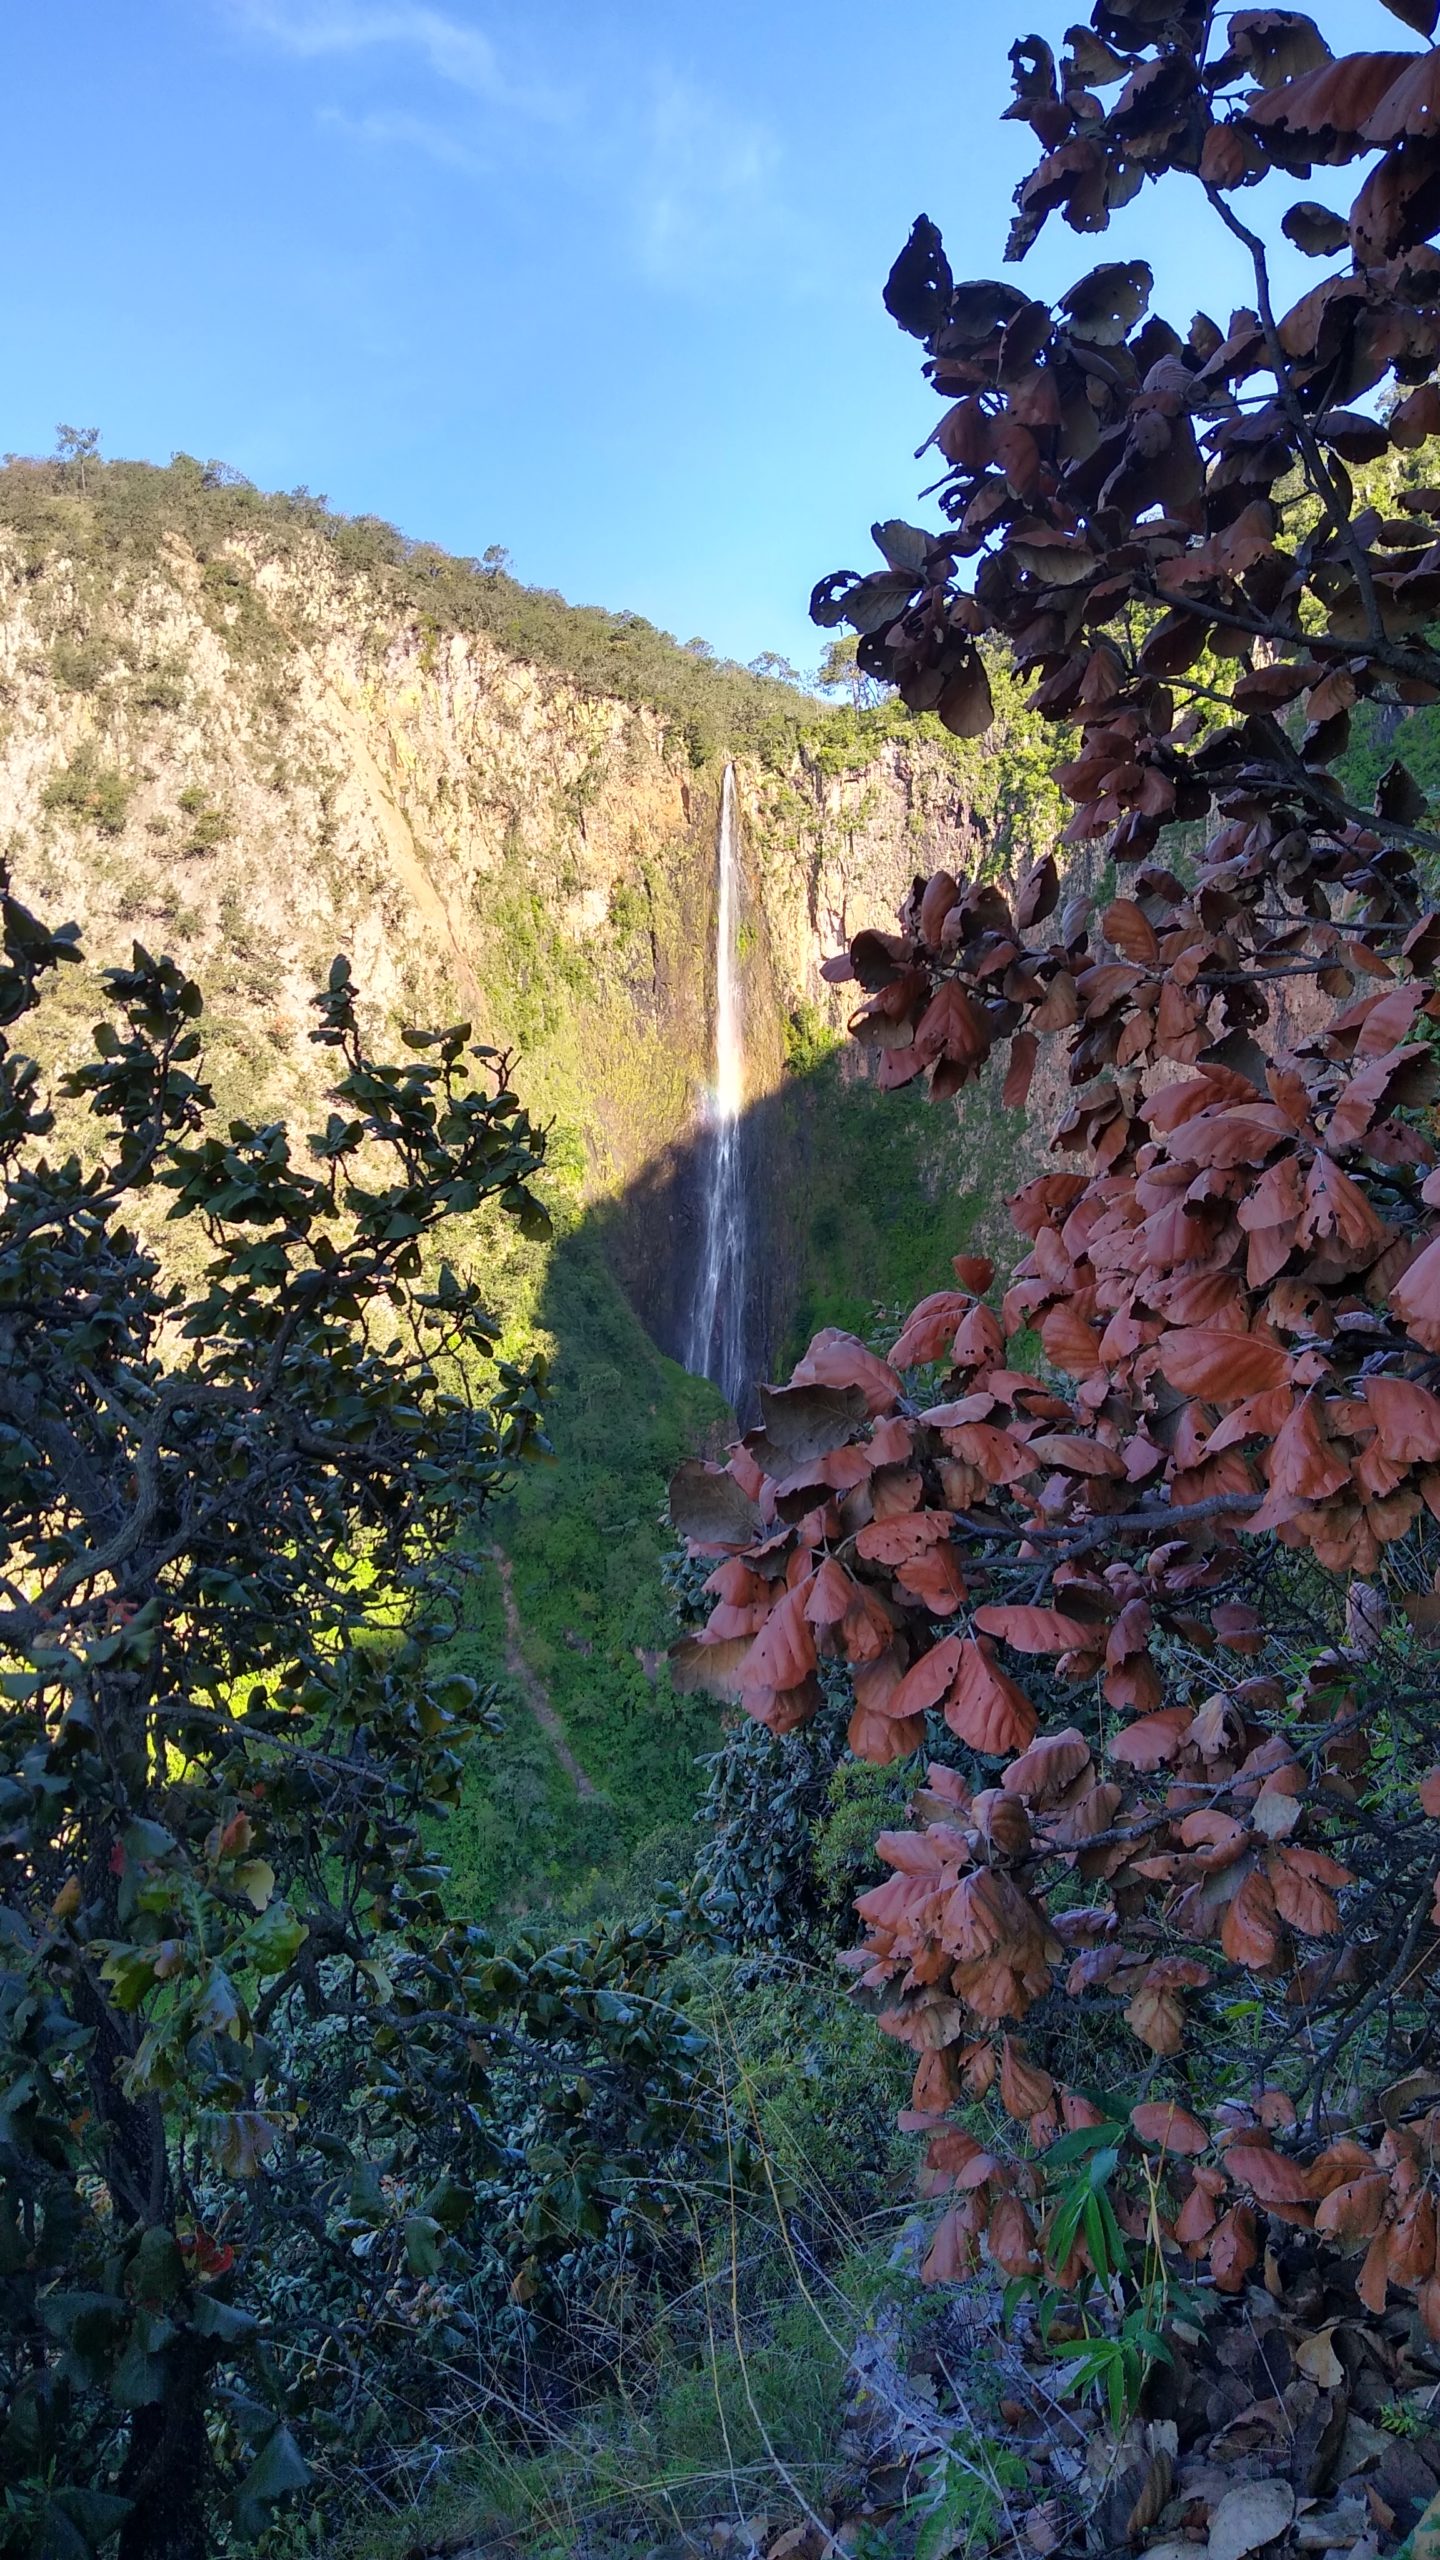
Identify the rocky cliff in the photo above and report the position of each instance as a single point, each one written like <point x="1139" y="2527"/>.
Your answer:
<point x="225" y="734"/>
<point x="254" y="734"/>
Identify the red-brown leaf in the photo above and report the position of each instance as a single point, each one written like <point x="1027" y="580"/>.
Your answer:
<point x="935" y="1580"/>
<point x="1168" y="2127"/>
<point x="1250" y="1930"/>
<point x="1034" y="1630"/>
<point x="1407" y="1418"/>
<point x="1011" y="2238"/>
<point x="955" y="2250"/>
<point x="1268" y="2175"/>
<point x="1070" y="1342"/>
<point x="929" y="1329"/>
<point x="837" y="1359"/>
<point x="783" y="1654"/>
<point x="1304" y="1460"/>
<point x="1233" y="2248"/>
<point x="927" y="1680"/>
<point x="1353" y="2210"/>
<point x="1130" y="930"/>
<point x="1024" y="2088"/>
<point x="1024" y="1050"/>
<point x="1201" y="1360"/>
<point x="1049" y="1767"/>
<point x="1153" y="1740"/>
<point x="1415" y="1298"/>
<point x="1300" y="1880"/>
<point x="985" y="1708"/>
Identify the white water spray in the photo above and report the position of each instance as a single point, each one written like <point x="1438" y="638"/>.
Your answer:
<point x="717" y="1345"/>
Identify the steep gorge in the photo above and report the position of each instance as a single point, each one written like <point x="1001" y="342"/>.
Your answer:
<point x="245" y="732"/>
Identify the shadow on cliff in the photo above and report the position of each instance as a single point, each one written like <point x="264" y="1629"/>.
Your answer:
<point x="652" y="1237"/>
<point x="856" y="1200"/>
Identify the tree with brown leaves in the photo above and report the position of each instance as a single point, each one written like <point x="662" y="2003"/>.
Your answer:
<point x="1155" y="1534"/>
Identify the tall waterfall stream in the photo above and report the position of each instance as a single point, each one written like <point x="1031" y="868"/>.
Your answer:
<point x="717" y="1330"/>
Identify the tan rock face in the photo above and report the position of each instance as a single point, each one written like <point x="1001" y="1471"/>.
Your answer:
<point x="256" y="764"/>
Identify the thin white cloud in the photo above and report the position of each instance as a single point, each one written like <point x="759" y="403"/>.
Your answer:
<point x="690" y="186"/>
<point x="387" y="129"/>
<point x="462" y="56"/>
<point x="707" y="184"/>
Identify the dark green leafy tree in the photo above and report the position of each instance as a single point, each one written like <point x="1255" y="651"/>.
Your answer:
<point x="271" y="2125"/>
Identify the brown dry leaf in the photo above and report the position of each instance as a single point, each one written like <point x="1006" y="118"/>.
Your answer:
<point x="1129" y="928"/>
<point x="1024" y="2088"/>
<point x="1301" y="1881"/>
<point x="1353" y="2210"/>
<point x="908" y="1535"/>
<point x="1201" y="1360"/>
<point x="954" y="2252"/>
<point x="973" y="1271"/>
<point x="783" y="1654"/>
<point x="1304" y="1460"/>
<point x="1406" y="1417"/>
<point x="1070" y="1342"/>
<point x="1268" y="2175"/>
<point x="1153" y="2494"/>
<point x="935" y="1580"/>
<point x="1233" y="2248"/>
<point x="1168" y="2127"/>
<point x="1250" y="1932"/>
<point x="1249" y="2517"/>
<point x="837" y="1359"/>
<point x="1157" y="2017"/>
<point x="1415" y="1298"/>
<point x="1050" y="1766"/>
<point x="1153" y="1741"/>
<point x="1315" y="2356"/>
<point x="1410" y="2249"/>
<point x="930" y="1328"/>
<point x="1034" y="1630"/>
<point x="1011" y="2238"/>
<point x="926" y="1681"/>
<point x="985" y="1708"/>
<point x="806" y="2541"/>
<point x="1024" y="1052"/>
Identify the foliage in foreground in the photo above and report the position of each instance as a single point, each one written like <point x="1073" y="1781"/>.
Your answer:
<point x="724" y="2395"/>
<point x="1207" y="1523"/>
<point x="282" y="2149"/>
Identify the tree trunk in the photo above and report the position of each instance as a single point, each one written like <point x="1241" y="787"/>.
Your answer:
<point x="167" y="2470"/>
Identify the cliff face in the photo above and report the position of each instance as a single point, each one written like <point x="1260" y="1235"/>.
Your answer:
<point x="256" y="761"/>
<point x="255" y="736"/>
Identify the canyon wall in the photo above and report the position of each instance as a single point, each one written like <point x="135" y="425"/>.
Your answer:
<point x="251" y="757"/>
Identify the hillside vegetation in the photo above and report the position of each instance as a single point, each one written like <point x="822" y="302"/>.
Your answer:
<point x="244" y="728"/>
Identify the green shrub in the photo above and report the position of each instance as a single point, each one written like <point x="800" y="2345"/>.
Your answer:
<point x="90" y="793"/>
<point x="205" y="825"/>
<point x="726" y="2386"/>
<point x="78" y="661"/>
<point x="160" y="688"/>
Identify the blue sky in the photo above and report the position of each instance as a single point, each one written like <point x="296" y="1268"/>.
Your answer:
<point x="595" y="279"/>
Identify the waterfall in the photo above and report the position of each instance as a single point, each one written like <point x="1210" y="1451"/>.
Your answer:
<point x="717" y="1327"/>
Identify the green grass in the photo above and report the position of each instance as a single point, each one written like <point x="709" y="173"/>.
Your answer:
<point x="585" y="1533"/>
<point x="892" y="1189"/>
